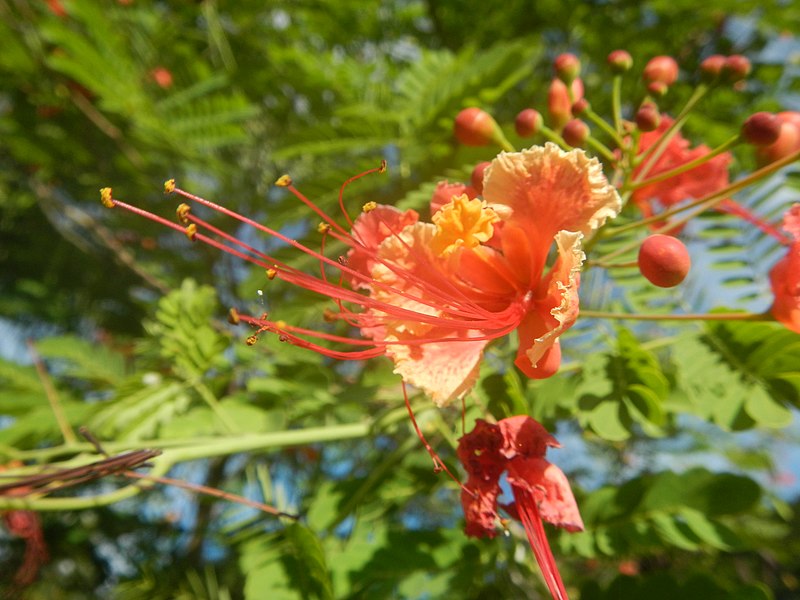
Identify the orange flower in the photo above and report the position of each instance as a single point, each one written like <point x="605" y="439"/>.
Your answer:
<point x="437" y="293"/>
<point x="785" y="275"/>
<point x="540" y="489"/>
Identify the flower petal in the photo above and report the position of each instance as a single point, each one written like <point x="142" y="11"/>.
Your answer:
<point x="479" y="501"/>
<point x="545" y="190"/>
<point x="369" y="230"/>
<point x="555" y="312"/>
<point x="548" y="484"/>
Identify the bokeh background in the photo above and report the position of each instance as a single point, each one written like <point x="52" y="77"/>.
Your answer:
<point x="694" y="499"/>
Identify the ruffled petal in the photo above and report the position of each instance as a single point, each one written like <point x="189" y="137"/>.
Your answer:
<point x="555" y="312"/>
<point x="545" y="190"/>
<point x="785" y="281"/>
<point x="444" y="370"/>
<point x="524" y="436"/>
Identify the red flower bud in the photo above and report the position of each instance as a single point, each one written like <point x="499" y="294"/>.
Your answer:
<point x="648" y="117"/>
<point x="657" y="88"/>
<point x="567" y="67"/>
<point x="620" y="61"/>
<point x="575" y="133"/>
<point x="662" y="69"/>
<point x="474" y="127"/>
<point x="528" y="122"/>
<point x="737" y="67"/>
<point x="580" y="107"/>
<point x="788" y="140"/>
<point x="761" y="129"/>
<point x="711" y="68"/>
<point x="162" y="77"/>
<point x="559" y="103"/>
<point x="664" y="260"/>
<point x="477" y="176"/>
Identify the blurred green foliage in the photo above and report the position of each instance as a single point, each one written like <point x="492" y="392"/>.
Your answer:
<point x="129" y="318"/>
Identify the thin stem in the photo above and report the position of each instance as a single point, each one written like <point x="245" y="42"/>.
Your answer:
<point x="738" y="316"/>
<point x="700" y="205"/>
<point x="603" y="124"/>
<point x="601" y="149"/>
<point x="616" y="104"/>
<point x="52" y="396"/>
<point x="724" y="147"/>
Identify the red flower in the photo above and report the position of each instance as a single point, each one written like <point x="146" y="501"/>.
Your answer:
<point x="785" y="275"/>
<point x="540" y="489"/>
<point x="704" y="179"/>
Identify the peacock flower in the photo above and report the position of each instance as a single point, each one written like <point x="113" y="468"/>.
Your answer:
<point x="785" y="275"/>
<point x="707" y="178"/>
<point x="431" y="296"/>
<point x="541" y="491"/>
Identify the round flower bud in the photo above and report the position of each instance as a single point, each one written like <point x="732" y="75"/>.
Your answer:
<point x="648" y="117"/>
<point x="580" y="107"/>
<point x="737" y="67"/>
<point x="477" y="176"/>
<point x="575" y="133"/>
<point x="664" y="260"/>
<point x="761" y="129"/>
<point x="657" y="88"/>
<point x="528" y="122"/>
<point x="620" y="61"/>
<point x="788" y="141"/>
<point x="711" y="68"/>
<point x="567" y="67"/>
<point x="663" y="69"/>
<point x="474" y="127"/>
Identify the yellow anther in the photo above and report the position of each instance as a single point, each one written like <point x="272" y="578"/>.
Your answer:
<point x="369" y="206"/>
<point x="280" y="324"/>
<point x="169" y="186"/>
<point x="382" y="168"/>
<point x="251" y="340"/>
<point x="191" y="231"/>
<point x="330" y="316"/>
<point x="271" y="274"/>
<point x="105" y="197"/>
<point x="233" y="316"/>
<point x="323" y="228"/>
<point x="183" y="211"/>
<point x="283" y="181"/>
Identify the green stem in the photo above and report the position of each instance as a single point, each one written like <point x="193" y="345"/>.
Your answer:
<point x="601" y="149"/>
<point x="650" y="156"/>
<point x="743" y="316"/>
<point x="602" y="124"/>
<point x="616" y="105"/>
<point x="201" y="448"/>
<point x="553" y="136"/>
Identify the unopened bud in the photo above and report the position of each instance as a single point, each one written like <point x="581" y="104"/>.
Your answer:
<point x="663" y="69"/>
<point x="559" y="102"/>
<point x="657" y="88"/>
<point x="737" y="67"/>
<point x="575" y="133"/>
<point x="664" y="260"/>
<point x="477" y="176"/>
<point x="788" y="141"/>
<point x="567" y="67"/>
<point x="647" y="117"/>
<point x="711" y="68"/>
<point x="620" y="61"/>
<point x="580" y="107"/>
<point x="761" y="129"/>
<point x="528" y="122"/>
<point x="474" y="127"/>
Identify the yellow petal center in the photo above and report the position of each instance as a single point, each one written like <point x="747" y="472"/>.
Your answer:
<point x="462" y="223"/>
